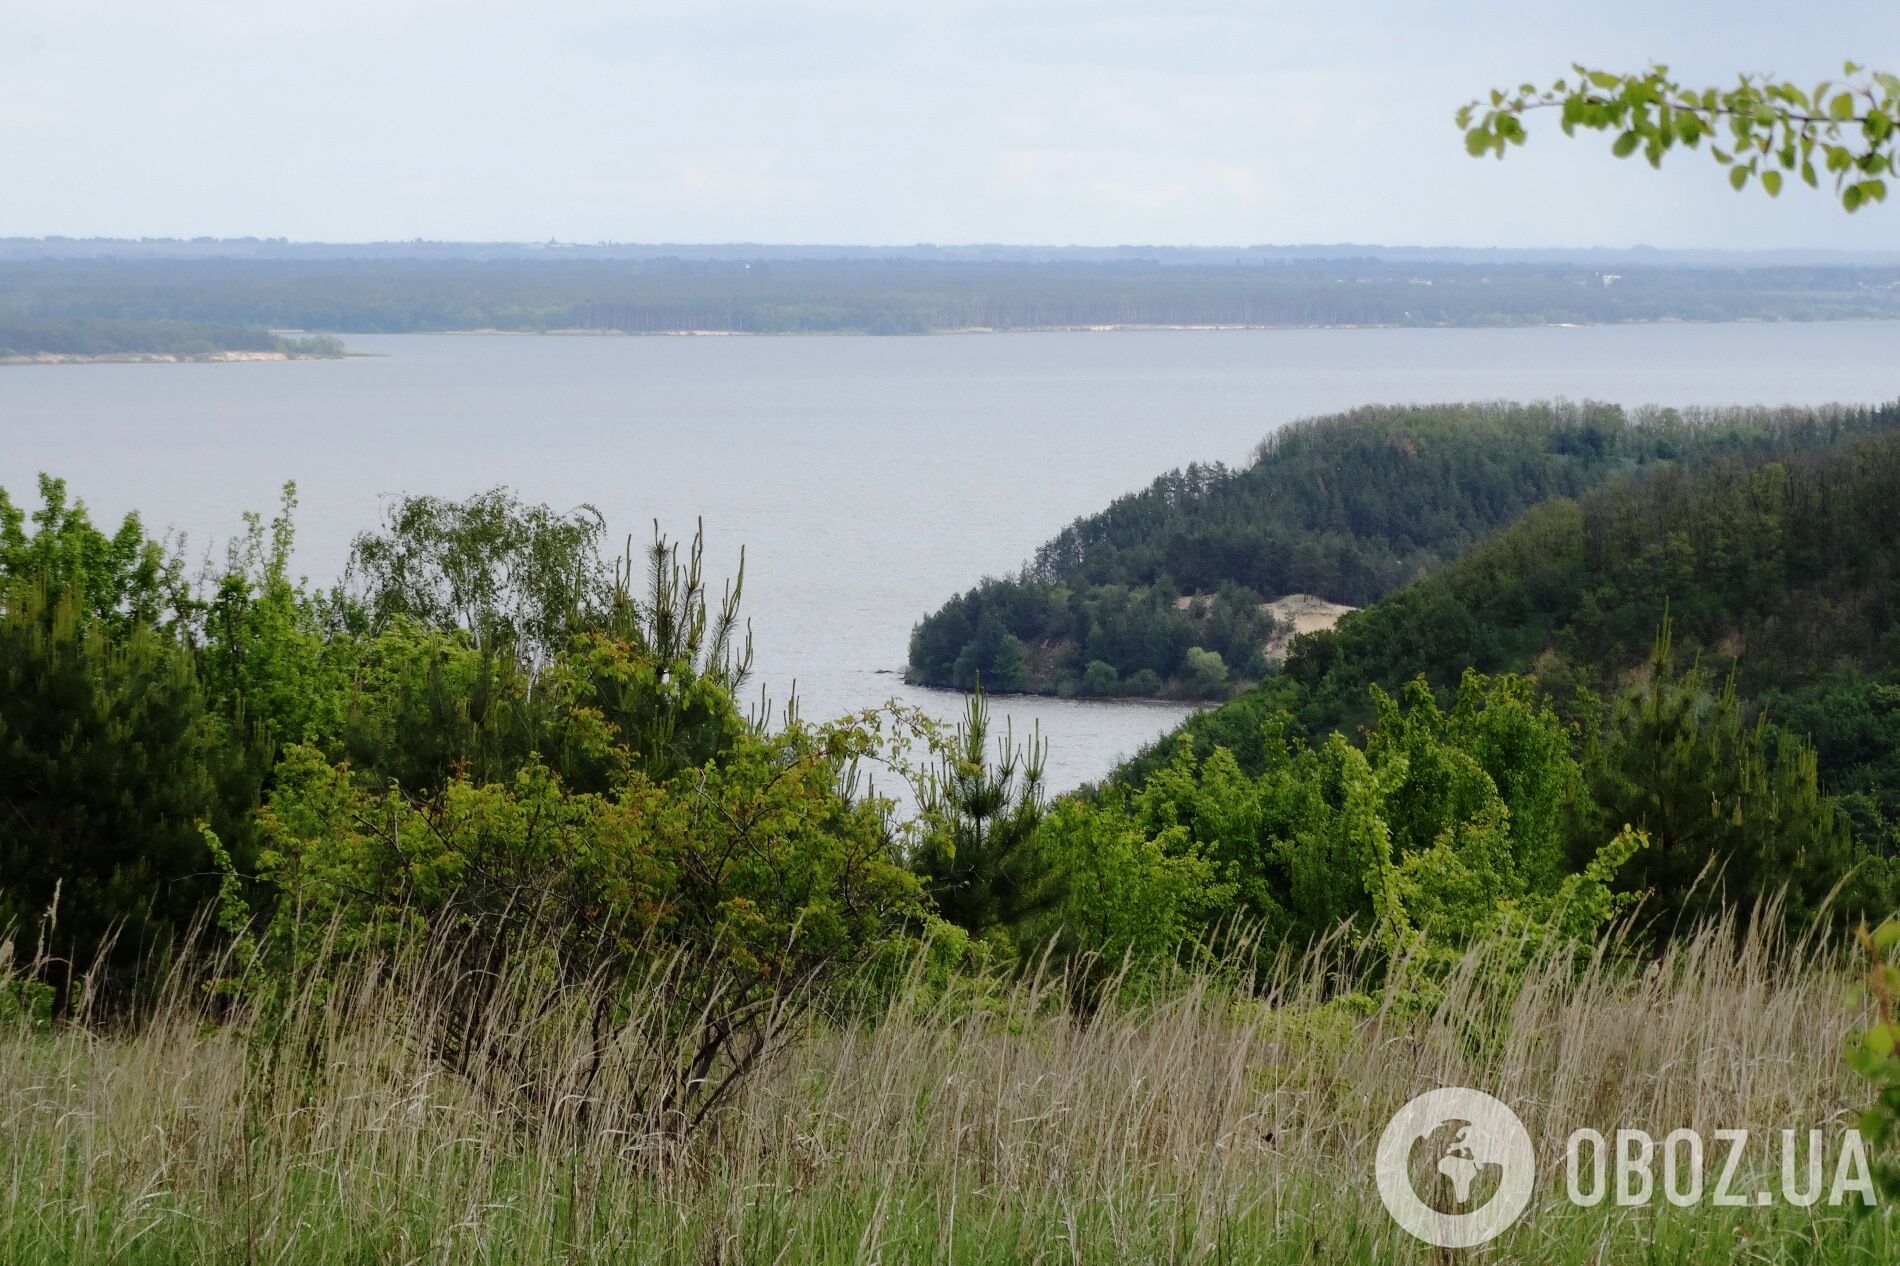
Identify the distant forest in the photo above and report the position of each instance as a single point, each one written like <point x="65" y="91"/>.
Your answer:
<point x="908" y="295"/>
<point x="1161" y="592"/>
<point x="1774" y="566"/>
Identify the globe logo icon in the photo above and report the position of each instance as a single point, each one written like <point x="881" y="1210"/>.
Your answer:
<point x="1455" y="1167"/>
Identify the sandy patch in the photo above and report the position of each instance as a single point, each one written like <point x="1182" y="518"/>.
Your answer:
<point x="1300" y="613"/>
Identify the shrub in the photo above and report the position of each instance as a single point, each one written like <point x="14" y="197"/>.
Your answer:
<point x="744" y="891"/>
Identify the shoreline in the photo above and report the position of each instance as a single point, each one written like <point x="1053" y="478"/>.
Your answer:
<point x="163" y="358"/>
<point x="1120" y="328"/>
<point x="237" y="357"/>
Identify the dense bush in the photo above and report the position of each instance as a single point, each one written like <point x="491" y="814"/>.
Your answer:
<point x="489" y="728"/>
<point x="1445" y="826"/>
<point x="114" y="759"/>
<point x="113" y="763"/>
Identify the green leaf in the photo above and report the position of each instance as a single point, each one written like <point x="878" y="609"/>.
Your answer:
<point x="1477" y="141"/>
<point x="1737" y="177"/>
<point x="1771" y="181"/>
<point x="1842" y="107"/>
<point x="1625" y="145"/>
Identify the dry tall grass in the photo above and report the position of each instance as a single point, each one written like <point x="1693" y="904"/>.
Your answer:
<point x="1223" y="1119"/>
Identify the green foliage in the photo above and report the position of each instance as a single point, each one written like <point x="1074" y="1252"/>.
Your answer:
<point x="1100" y="678"/>
<point x="517" y="578"/>
<point x="1874" y="1056"/>
<point x="140" y="722"/>
<point x="313" y="347"/>
<point x="1732" y="817"/>
<point x="1762" y="127"/>
<point x="1206" y="672"/>
<point x="977" y="850"/>
<point x="111" y="756"/>
<point x="748" y="888"/>
<point x="603" y="814"/>
<point x="271" y="651"/>
<point x="606" y="679"/>
<point x="1128" y="896"/>
<point x="1448" y="825"/>
<point x="25" y="1003"/>
<point x="122" y="580"/>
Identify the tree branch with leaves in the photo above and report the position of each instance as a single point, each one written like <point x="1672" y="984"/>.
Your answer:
<point x="1762" y="128"/>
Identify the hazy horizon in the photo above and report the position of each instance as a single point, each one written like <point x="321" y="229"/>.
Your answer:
<point x="210" y="245"/>
<point x="737" y="121"/>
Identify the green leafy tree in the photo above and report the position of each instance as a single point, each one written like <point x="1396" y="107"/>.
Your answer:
<point x="645" y="674"/>
<point x="1206" y="672"/>
<point x="123" y="580"/>
<point x="271" y="652"/>
<point x="517" y="578"/>
<point x="1771" y="129"/>
<point x="1130" y="898"/>
<point x="1009" y="669"/>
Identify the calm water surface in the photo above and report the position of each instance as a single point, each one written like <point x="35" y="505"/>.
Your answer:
<point x="867" y="478"/>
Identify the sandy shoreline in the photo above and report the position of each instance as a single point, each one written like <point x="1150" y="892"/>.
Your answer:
<point x="154" y="358"/>
<point x="964" y="329"/>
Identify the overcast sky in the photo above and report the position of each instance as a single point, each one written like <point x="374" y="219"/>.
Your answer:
<point x="882" y="121"/>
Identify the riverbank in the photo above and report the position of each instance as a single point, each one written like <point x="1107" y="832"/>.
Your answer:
<point x="167" y="358"/>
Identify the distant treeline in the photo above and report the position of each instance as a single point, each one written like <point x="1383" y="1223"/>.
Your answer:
<point x="916" y="295"/>
<point x="90" y="336"/>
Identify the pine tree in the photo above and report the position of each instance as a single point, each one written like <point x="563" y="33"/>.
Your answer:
<point x="977" y="855"/>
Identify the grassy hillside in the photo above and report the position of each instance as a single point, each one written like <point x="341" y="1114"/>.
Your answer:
<point x="1225" y="1124"/>
<point x="1162" y="592"/>
<point x="443" y="930"/>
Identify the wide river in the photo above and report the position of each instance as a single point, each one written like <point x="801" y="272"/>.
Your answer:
<point x="867" y="478"/>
